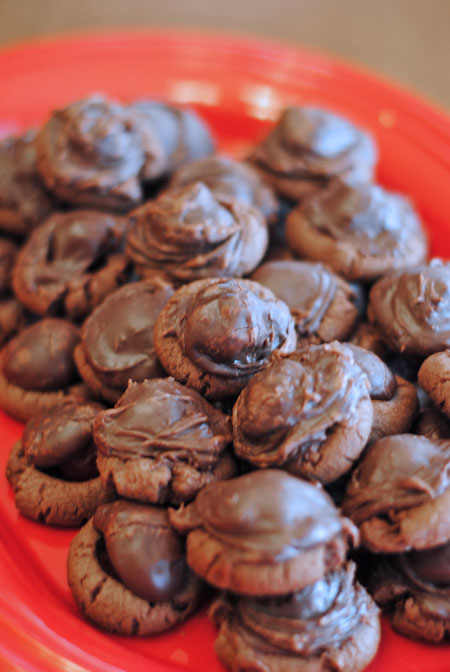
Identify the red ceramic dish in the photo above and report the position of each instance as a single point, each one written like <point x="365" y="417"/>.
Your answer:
<point x="239" y="86"/>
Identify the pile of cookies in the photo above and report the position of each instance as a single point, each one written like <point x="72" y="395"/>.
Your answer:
<point x="218" y="360"/>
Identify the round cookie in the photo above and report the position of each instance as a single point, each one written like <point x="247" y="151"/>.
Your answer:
<point x="70" y="263"/>
<point x="412" y="309"/>
<point x="24" y="201"/>
<point x="399" y="495"/>
<point x="214" y="335"/>
<point x="37" y="368"/>
<point x="12" y="314"/>
<point x="321" y="303"/>
<point x="128" y="547"/>
<point x="162" y="442"/>
<point x="394" y="400"/>
<point x="309" y="413"/>
<point x="229" y="180"/>
<point x="91" y="153"/>
<point x="361" y="230"/>
<point x="117" y="339"/>
<point x="264" y="533"/>
<point x="330" y="625"/>
<point x="434" y="377"/>
<point x="307" y="147"/>
<point x="414" y="589"/>
<point x="191" y="233"/>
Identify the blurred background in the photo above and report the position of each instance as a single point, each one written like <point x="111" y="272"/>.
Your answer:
<point x="405" y="40"/>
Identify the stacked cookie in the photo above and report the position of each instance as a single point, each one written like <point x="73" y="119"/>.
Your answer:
<point x="292" y="601"/>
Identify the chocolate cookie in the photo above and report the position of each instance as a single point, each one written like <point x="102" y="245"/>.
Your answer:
<point x="127" y="571"/>
<point x="181" y="133"/>
<point x="24" y="201"/>
<point x="12" y="314"/>
<point x="414" y="589"/>
<point x="37" y="368"/>
<point x="432" y="424"/>
<point x="394" y="400"/>
<point x="399" y="495"/>
<point x="307" y="147"/>
<point x="321" y="303"/>
<point x="117" y="339"/>
<point x="162" y="442"/>
<point x="412" y="309"/>
<point x="53" y="469"/>
<point x="309" y="413"/>
<point x="229" y="180"/>
<point x="331" y="625"/>
<point x="70" y="263"/>
<point x="361" y="231"/>
<point x="91" y="153"/>
<point x="434" y="377"/>
<point x="191" y="233"/>
<point x="265" y="533"/>
<point x="214" y="335"/>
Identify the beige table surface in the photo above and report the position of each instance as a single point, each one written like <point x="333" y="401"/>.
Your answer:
<point x="406" y="40"/>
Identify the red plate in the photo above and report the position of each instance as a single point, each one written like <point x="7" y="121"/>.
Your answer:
<point x="239" y="86"/>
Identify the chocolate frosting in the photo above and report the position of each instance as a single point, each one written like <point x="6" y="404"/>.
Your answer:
<point x="23" y="199"/>
<point x="397" y="473"/>
<point x="307" y="288"/>
<point x="117" y="337"/>
<point x="41" y="356"/>
<point x="310" y="142"/>
<point x="261" y="527"/>
<point x="412" y="309"/>
<point x="375" y="221"/>
<point x="8" y="253"/>
<point x="92" y="150"/>
<point x="229" y="180"/>
<point x="424" y="575"/>
<point x="309" y="622"/>
<point x="288" y="410"/>
<point x="230" y="328"/>
<point x="62" y="437"/>
<point x="182" y="134"/>
<point x="383" y="383"/>
<point x="66" y="256"/>
<point x="190" y="233"/>
<point x="164" y="420"/>
<point x="145" y="552"/>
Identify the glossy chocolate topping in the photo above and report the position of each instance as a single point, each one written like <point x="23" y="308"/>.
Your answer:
<point x="161" y="418"/>
<point x="269" y="515"/>
<point x="146" y="553"/>
<point x="311" y="142"/>
<point x="374" y="220"/>
<point x="118" y="336"/>
<point x="190" y="233"/>
<point x="413" y="309"/>
<point x="22" y="194"/>
<point x="383" y="383"/>
<point x="8" y="253"/>
<point x="63" y="255"/>
<point x="397" y="473"/>
<point x="41" y="356"/>
<point x="61" y="437"/>
<point x="182" y="134"/>
<point x="92" y="148"/>
<point x="308" y="289"/>
<point x="289" y="409"/>
<point x="230" y="327"/>
<point x="229" y="180"/>
<point x="306" y="623"/>
<point x="423" y="575"/>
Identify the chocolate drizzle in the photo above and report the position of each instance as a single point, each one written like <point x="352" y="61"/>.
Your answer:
<point x="190" y="233"/>
<point x="166" y="421"/>
<point x="290" y="408"/>
<point x="383" y="383"/>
